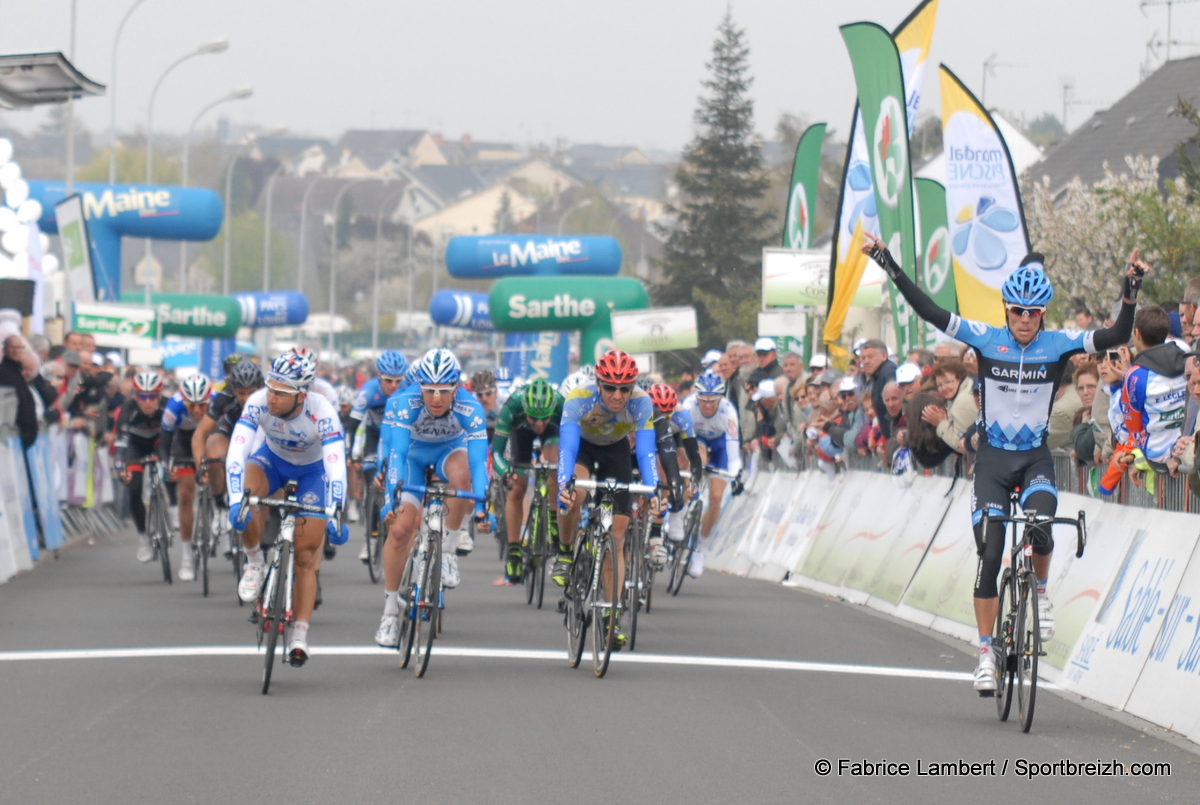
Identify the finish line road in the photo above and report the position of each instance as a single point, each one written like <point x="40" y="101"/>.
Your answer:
<point x="116" y="688"/>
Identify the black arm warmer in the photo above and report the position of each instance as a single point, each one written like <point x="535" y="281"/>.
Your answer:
<point x="1119" y="333"/>
<point x="925" y="307"/>
<point x="692" y="448"/>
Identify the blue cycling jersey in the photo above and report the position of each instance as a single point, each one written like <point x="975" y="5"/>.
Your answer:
<point x="407" y="424"/>
<point x="1018" y="384"/>
<point x="585" y="417"/>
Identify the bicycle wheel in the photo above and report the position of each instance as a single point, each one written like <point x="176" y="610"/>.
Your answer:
<point x="530" y="554"/>
<point x="683" y="550"/>
<point x="203" y="536"/>
<point x="1006" y="658"/>
<point x="576" y="595"/>
<point x="605" y="570"/>
<point x="543" y="552"/>
<point x="407" y="616"/>
<point x="631" y="600"/>
<point x="427" y="610"/>
<point x="1029" y="648"/>
<point x="374" y="538"/>
<point x="272" y="622"/>
<point x="162" y="529"/>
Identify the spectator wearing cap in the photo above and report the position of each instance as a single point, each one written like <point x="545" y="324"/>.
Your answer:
<point x="843" y="429"/>
<point x="877" y="371"/>
<point x="710" y="358"/>
<point x="770" y="426"/>
<point x="767" y="357"/>
<point x="908" y="377"/>
<point x="818" y="363"/>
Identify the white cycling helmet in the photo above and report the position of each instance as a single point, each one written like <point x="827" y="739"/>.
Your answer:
<point x="196" y="388"/>
<point x="294" y="370"/>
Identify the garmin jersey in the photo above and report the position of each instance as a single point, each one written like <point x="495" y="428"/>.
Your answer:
<point x="721" y="425"/>
<point x="313" y="434"/>
<point x="1018" y="384"/>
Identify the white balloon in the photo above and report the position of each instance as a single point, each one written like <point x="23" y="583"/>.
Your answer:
<point x="6" y="149"/>
<point x="10" y="174"/>
<point x="15" y="240"/>
<point x="16" y="193"/>
<point x="6" y="266"/>
<point x="8" y="219"/>
<point x="30" y="210"/>
<point x="44" y="242"/>
<point x="19" y="266"/>
<point x="49" y="264"/>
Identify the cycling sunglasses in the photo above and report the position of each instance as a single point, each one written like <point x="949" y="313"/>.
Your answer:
<point x="1034" y="311"/>
<point x="609" y="388"/>
<point x="148" y="397"/>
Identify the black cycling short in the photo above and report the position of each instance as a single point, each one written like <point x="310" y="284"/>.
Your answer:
<point x="997" y="474"/>
<point x="609" y="461"/>
<point x="370" y="449"/>
<point x="520" y="442"/>
<point x="181" y="448"/>
<point x="137" y="451"/>
<point x="229" y="419"/>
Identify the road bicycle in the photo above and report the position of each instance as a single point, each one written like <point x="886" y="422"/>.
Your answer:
<point x="273" y="610"/>
<point x="537" y="549"/>
<point x="1017" y="638"/>
<point x="206" y="534"/>
<point x="158" y="514"/>
<point x="589" y="610"/>
<point x="679" y="554"/>
<point x="376" y="533"/>
<point x="421" y="583"/>
<point x="639" y="568"/>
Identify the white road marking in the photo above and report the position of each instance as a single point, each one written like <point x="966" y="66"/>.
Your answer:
<point x="494" y="653"/>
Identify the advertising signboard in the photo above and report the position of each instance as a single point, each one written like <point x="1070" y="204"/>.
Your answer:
<point x="655" y="329"/>
<point x="117" y="326"/>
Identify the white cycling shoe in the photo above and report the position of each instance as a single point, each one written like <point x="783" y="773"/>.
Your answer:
<point x="297" y="653"/>
<point x="145" y="550"/>
<point x="658" y="552"/>
<point x="696" y="564"/>
<point x="465" y="543"/>
<point x="985" y="672"/>
<point x="352" y="512"/>
<point x="388" y="633"/>
<point x="364" y="556"/>
<point x="450" y="577"/>
<point x="187" y="564"/>
<point x="252" y="581"/>
<point x="1045" y="618"/>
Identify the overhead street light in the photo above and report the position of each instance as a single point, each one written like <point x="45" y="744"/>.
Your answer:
<point x="241" y="93"/>
<point x="219" y="45"/>
<point x="242" y="146"/>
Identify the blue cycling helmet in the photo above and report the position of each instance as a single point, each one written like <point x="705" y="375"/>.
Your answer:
<point x="391" y="364"/>
<point x="1028" y="285"/>
<point x="292" y="369"/>
<point x="438" y="367"/>
<point x="710" y="383"/>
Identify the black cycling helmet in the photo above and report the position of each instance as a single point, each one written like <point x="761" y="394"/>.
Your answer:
<point x="483" y="380"/>
<point x="245" y="374"/>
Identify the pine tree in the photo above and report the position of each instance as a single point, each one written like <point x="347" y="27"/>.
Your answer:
<point x="712" y="257"/>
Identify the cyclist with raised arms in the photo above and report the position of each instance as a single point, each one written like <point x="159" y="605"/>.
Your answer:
<point x="183" y="411"/>
<point x="715" y="421"/>
<point x="597" y="421"/>
<point x="139" y="426"/>
<point x="673" y="429"/>
<point x="1020" y="366"/>
<point x="301" y="441"/>
<point x="533" y="413"/>
<point x="366" y="415"/>
<point x="433" y="424"/>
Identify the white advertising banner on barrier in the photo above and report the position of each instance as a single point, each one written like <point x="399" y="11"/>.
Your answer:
<point x="1115" y="645"/>
<point x="1168" y="690"/>
<point x="809" y="501"/>
<point x="944" y="584"/>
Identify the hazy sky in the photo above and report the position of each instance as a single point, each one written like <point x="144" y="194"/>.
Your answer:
<point x="532" y="70"/>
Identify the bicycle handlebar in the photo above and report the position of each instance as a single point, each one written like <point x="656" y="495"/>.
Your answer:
<point x="1079" y="522"/>
<point x="294" y="505"/>
<point x="422" y="490"/>
<point x="613" y="485"/>
<point x="537" y="465"/>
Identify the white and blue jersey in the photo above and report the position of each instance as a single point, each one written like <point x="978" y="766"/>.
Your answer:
<point x="367" y="411"/>
<point x="413" y="440"/>
<point x="719" y="433"/>
<point x="1018" y="384"/>
<point x="309" y="448"/>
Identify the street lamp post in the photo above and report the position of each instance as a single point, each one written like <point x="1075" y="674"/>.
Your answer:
<point x="112" y="96"/>
<point x="378" y="259"/>
<point x="215" y="46"/>
<point x="333" y="249"/>
<point x="235" y="95"/>
<point x="587" y="202"/>
<point x="303" y="230"/>
<point x="248" y="141"/>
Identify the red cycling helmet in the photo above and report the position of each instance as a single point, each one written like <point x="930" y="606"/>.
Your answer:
<point x="664" y="397"/>
<point x="616" y="367"/>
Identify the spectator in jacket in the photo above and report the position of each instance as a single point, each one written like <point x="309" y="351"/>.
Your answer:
<point x="1155" y="388"/>
<point x="877" y="371"/>
<point x="12" y="375"/>
<point x="956" y="411"/>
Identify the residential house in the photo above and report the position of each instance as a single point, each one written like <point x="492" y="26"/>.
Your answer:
<point x="382" y="152"/>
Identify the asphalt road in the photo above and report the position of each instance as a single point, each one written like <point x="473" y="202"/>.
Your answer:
<point x="351" y="727"/>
